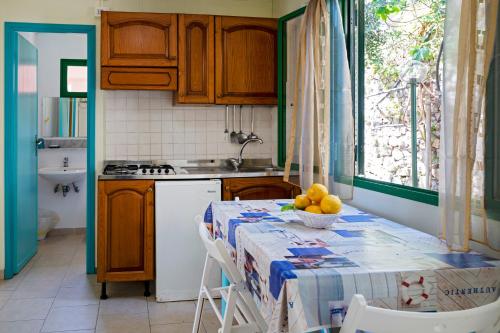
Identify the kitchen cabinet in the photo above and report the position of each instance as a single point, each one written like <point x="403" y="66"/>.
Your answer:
<point x="260" y="188"/>
<point x="138" y="39"/>
<point x="131" y="78"/>
<point x="196" y="59"/>
<point x="125" y="231"/>
<point x="246" y="60"/>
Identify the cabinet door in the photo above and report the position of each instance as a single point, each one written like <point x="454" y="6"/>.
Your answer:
<point x="138" y="39"/>
<point x="196" y="59"/>
<point x="258" y="188"/>
<point x="140" y="78"/>
<point x="125" y="230"/>
<point x="246" y="60"/>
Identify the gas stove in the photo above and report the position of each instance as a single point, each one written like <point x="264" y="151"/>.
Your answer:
<point x="133" y="169"/>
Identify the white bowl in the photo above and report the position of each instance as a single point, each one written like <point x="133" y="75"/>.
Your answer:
<point x="319" y="221"/>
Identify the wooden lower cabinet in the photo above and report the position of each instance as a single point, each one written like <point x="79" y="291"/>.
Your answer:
<point x="260" y="188"/>
<point x="125" y="231"/>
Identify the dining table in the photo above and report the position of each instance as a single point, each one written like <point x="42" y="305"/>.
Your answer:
<point x="303" y="279"/>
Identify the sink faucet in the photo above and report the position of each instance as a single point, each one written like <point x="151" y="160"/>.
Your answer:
<point x="236" y="163"/>
<point x="66" y="162"/>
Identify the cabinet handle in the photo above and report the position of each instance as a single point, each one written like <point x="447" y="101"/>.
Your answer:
<point x="219" y="95"/>
<point x="150" y="189"/>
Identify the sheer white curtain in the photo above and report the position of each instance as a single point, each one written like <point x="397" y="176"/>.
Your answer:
<point x="468" y="46"/>
<point x="312" y="97"/>
<point x="323" y="103"/>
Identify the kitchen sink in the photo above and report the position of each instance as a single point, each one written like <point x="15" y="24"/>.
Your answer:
<point x="221" y="169"/>
<point x="258" y="169"/>
<point x="207" y="169"/>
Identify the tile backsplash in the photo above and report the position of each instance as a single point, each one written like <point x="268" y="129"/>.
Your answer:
<point x="149" y="125"/>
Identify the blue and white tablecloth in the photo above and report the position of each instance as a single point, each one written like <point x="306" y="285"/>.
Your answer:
<point x="303" y="279"/>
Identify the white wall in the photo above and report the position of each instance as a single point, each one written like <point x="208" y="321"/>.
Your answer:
<point x="71" y="209"/>
<point x="415" y="214"/>
<point x="283" y="7"/>
<point x="149" y="125"/>
<point x="82" y="12"/>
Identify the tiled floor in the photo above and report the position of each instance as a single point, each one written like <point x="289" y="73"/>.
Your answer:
<point x="53" y="294"/>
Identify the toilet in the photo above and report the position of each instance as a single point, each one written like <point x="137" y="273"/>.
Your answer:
<point x="47" y="220"/>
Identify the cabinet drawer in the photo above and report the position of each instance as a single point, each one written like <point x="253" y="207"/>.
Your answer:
<point x="138" y="78"/>
<point x="260" y="188"/>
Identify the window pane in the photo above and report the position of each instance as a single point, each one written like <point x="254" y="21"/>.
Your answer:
<point x="402" y="39"/>
<point x="77" y="79"/>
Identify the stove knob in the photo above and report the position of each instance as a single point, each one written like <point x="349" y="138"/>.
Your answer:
<point x="143" y="170"/>
<point x="151" y="170"/>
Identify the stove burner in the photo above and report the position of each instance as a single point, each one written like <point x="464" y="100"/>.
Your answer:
<point x="138" y="170"/>
<point x="113" y="169"/>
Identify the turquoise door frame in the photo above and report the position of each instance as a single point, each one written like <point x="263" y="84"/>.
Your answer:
<point x="10" y="120"/>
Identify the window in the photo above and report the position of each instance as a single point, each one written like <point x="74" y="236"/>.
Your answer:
<point x="396" y="47"/>
<point x="73" y="78"/>
<point x="393" y="49"/>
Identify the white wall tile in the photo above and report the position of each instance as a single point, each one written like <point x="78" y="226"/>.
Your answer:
<point x="148" y="125"/>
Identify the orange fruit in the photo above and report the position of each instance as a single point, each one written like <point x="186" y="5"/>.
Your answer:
<point x="315" y="209"/>
<point x="331" y="204"/>
<point x="301" y="201"/>
<point x="316" y="192"/>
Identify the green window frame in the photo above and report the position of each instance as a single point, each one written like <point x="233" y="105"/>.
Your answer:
<point x="356" y="19"/>
<point x="282" y="70"/>
<point x="65" y="63"/>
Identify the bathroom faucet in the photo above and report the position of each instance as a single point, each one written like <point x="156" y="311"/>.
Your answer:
<point x="236" y="163"/>
<point x="66" y="162"/>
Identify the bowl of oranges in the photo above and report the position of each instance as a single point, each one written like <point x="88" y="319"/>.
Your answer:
<point x="317" y="208"/>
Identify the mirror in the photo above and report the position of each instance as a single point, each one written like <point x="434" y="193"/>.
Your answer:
<point x="63" y="117"/>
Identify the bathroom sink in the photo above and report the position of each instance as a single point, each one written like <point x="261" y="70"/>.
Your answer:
<point x="61" y="175"/>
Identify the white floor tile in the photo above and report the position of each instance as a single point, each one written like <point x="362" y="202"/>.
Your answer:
<point x="123" y="305"/>
<point x="173" y="328"/>
<point x="25" y="309"/>
<point x="171" y="312"/>
<point x="71" y="318"/>
<point x="131" y="323"/>
<point x="85" y="295"/>
<point x="37" y="288"/>
<point x="25" y="326"/>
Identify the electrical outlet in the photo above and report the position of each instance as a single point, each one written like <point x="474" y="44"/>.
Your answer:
<point x="98" y="11"/>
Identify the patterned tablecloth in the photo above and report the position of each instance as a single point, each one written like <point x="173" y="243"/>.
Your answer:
<point x="303" y="279"/>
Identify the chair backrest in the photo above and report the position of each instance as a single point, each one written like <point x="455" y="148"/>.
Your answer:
<point x="360" y="316"/>
<point x="217" y="251"/>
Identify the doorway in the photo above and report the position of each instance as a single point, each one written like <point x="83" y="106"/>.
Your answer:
<point x="20" y="175"/>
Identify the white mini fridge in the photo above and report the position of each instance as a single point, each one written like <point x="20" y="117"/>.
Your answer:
<point x="180" y="255"/>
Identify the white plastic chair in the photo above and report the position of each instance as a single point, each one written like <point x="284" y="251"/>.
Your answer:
<point x="360" y="316"/>
<point x="239" y="303"/>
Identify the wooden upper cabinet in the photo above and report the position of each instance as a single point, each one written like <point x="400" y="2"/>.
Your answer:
<point x="138" y="39"/>
<point x="246" y="60"/>
<point x="125" y="234"/>
<point x="196" y="83"/>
